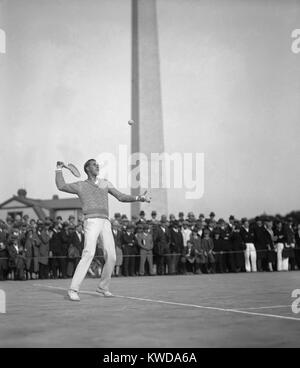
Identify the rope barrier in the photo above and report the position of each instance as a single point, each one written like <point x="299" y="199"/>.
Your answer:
<point x="154" y="254"/>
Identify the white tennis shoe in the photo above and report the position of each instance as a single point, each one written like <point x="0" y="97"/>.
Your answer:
<point x="73" y="295"/>
<point x="105" y="293"/>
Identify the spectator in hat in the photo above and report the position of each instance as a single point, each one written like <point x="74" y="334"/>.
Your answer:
<point x="154" y="220"/>
<point x="129" y="248"/>
<point x="3" y="253"/>
<point x="65" y="241"/>
<point x="72" y="221"/>
<point x="124" y="223"/>
<point x="142" y="218"/>
<point x="26" y="220"/>
<point x="279" y="238"/>
<point x="212" y="216"/>
<point x="43" y="252"/>
<point x="161" y="249"/>
<point x="238" y="247"/>
<point x="172" y="218"/>
<point x="297" y="246"/>
<point x="289" y="244"/>
<point x="134" y="219"/>
<point x="208" y="248"/>
<point x="76" y="245"/>
<point x="145" y="243"/>
<point x="211" y="226"/>
<point x="219" y="251"/>
<point x="228" y="254"/>
<point x="269" y="244"/>
<point x="188" y="257"/>
<point x="191" y="217"/>
<point x="32" y="245"/>
<point x="200" y="228"/>
<point x="180" y="216"/>
<point x="54" y="250"/>
<point x="16" y="260"/>
<point x="33" y="223"/>
<point x="186" y="232"/>
<point x="197" y="250"/>
<point x="260" y="244"/>
<point x="201" y="217"/>
<point x="59" y="220"/>
<point x="250" y="251"/>
<point x="176" y="247"/>
<point x="231" y="222"/>
<point x="117" y="216"/>
<point x="117" y="234"/>
<point x="9" y="223"/>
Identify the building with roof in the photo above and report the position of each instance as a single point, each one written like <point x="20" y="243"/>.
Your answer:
<point x="21" y="205"/>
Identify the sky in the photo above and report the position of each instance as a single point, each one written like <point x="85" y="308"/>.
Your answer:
<point x="230" y="89"/>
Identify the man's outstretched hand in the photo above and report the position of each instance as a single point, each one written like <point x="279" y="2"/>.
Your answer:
<point x="145" y="197"/>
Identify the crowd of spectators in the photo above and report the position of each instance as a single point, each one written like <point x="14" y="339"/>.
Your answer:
<point x="52" y="248"/>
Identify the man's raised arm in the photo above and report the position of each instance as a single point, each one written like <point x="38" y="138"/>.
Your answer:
<point x="122" y="197"/>
<point x="60" y="181"/>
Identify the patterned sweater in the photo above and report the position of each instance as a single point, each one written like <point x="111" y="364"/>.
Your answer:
<point x="93" y="196"/>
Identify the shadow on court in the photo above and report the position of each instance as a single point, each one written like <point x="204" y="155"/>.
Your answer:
<point x="242" y="310"/>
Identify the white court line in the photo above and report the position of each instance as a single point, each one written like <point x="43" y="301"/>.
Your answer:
<point x="182" y="304"/>
<point x="266" y="307"/>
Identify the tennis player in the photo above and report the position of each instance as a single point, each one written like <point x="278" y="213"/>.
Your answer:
<point x="93" y="194"/>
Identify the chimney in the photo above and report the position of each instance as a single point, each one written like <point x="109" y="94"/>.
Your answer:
<point x="55" y="196"/>
<point x="22" y="193"/>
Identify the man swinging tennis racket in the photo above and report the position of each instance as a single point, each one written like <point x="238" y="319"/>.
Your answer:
<point x="93" y="194"/>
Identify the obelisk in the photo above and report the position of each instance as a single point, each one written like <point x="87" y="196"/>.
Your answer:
<point x="3" y="60"/>
<point x="147" y="134"/>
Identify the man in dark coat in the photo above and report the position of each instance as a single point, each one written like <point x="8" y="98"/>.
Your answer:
<point x="64" y="237"/>
<point x="54" y="249"/>
<point x="3" y="253"/>
<point x="290" y="243"/>
<point x="176" y="247"/>
<point x="161" y="238"/>
<point x="260" y="245"/>
<point x="130" y="250"/>
<point x="269" y="244"/>
<point x="297" y="246"/>
<point x="228" y="255"/>
<point x="44" y="253"/>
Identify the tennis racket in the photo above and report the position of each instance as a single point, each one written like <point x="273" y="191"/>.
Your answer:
<point x="72" y="168"/>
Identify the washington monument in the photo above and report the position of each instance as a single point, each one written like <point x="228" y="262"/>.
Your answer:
<point x="147" y="136"/>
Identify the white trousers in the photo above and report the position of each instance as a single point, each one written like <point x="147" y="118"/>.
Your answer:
<point x="282" y="263"/>
<point x="93" y="227"/>
<point x="250" y="255"/>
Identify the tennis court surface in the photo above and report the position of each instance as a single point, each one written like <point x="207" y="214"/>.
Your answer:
<point x="222" y="310"/>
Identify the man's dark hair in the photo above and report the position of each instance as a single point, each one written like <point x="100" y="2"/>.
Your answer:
<point x="87" y="164"/>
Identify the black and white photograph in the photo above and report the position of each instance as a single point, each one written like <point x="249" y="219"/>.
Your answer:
<point x="150" y="177"/>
